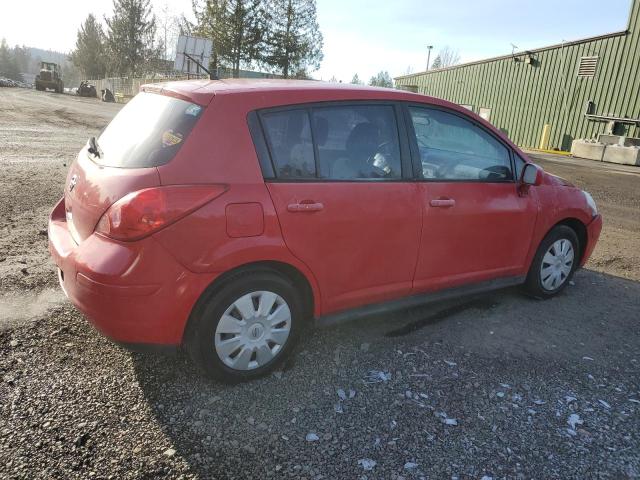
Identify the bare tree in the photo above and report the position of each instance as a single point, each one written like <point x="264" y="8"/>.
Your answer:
<point x="168" y="24"/>
<point x="446" y="57"/>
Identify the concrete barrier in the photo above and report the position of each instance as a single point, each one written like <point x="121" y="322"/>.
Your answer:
<point x="588" y="150"/>
<point x="623" y="141"/>
<point x="622" y="155"/>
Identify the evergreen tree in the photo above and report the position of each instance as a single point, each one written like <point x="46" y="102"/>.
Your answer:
<point x="9" y="67"/>
<point x="382" y="79"/>
<point x="210" y="23"/>
<point x="437" y="63"/>
<point x="245" y="31"/>
<point x="22" y="58"/>
<point x="237" y="29"/>
<point x="294" y="40"/>
<point x="131" y="38"/>
<point x="89" y="55"/>
<point x="356" y="80"/>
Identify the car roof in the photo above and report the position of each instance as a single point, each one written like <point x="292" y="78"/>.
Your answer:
<point x="203" y="91"/>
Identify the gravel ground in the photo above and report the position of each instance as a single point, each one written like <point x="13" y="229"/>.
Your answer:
<point x="498" y="386"/>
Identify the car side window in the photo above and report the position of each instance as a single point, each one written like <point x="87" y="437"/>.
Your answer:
<point x="357" y="142"/>
<point x="453" y="148"/>
<point x="289" y="138"/>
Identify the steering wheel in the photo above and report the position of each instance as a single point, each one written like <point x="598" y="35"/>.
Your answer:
<point x="372" y="161"/>
<point x="496" y="172"/>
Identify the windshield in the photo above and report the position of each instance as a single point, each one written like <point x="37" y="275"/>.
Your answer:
<point x="147" y="132"/>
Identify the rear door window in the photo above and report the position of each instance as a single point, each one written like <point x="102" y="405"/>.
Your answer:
<point x="357" y="142"/>
<point x="148" y="131"/>
<point x="333" y="142"/>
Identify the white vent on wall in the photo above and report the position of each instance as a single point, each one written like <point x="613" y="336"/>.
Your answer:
<point x="587" y="67"/>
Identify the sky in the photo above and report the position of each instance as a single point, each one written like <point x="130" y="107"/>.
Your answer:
<point x="365" y="37"/>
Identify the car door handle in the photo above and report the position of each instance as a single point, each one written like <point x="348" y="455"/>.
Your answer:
<point x="305" y="207"/>
<point x="443" y="203"/>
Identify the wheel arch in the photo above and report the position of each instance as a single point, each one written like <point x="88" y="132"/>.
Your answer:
<point x="308" y="290"/>
<point x="581" y="232"/>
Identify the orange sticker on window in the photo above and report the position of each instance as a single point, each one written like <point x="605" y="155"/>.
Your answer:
<point x="170" y="138"/>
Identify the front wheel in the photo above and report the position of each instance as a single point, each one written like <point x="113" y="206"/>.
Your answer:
<point x="554" y="263"/>
<point x="246" y="328"/>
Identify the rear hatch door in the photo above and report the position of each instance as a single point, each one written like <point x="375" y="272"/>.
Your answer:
<point x="148" y="132"/>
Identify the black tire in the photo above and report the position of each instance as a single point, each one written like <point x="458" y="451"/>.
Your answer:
<point x="534" y="284"/>
<point x="201" y="332"/>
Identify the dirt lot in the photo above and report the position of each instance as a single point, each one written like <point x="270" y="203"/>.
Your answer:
<point x="498" y="386"/>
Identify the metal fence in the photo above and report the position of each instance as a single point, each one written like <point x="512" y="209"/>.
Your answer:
<point x="125" y="88"/>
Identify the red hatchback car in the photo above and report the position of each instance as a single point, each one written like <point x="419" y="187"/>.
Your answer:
<point x="224" y="215"/>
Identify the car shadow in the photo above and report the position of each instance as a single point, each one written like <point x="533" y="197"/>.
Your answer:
<point x="260" y="429"/>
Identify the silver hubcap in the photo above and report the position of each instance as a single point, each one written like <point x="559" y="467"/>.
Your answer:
<point x="557" y="264"/>
<point x="253" y="330"/>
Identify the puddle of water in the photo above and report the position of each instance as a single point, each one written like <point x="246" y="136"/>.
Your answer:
<point x="16" y="310"/>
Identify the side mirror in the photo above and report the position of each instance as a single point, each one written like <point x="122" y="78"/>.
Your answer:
<point x="531" y="175"/>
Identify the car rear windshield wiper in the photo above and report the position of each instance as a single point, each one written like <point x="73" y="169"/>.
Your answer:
<point x="94" y="149"/>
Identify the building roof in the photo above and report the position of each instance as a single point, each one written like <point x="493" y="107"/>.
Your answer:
<point x="518" y="54"/>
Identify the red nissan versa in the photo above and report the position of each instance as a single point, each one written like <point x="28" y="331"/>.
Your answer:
<point x="224" y="215"/>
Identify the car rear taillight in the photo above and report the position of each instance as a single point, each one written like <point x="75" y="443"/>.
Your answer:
<point x="144" y="212"/>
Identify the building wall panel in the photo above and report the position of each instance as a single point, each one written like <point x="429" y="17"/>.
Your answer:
<point x="523" y="97"/>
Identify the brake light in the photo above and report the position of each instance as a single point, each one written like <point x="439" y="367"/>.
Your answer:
<point x="139" y="214"/>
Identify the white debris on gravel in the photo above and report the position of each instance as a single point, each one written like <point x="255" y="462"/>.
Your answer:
<point x="342" y="394"/>
<point x="367" y="463"/>
<point x="451" y="364"/>
<point x="604" y="404"/>
<point x="450" y="421"/>
<point x="312" y="437"/>
<point x="338" y="408"/>
<point x="588" y="358"/>
<point x="570" y="399"/>
<point x="573" y="420"/>
<point x="410" y="466"/>
<point x="169" y="452"/>
<point x="377" y="376"/>
<point x="539" y="402"/>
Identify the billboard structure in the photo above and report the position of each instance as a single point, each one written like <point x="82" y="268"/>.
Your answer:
<point x="193" y="54"/>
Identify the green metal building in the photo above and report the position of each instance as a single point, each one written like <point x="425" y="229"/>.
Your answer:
<point x="577" y="89"/>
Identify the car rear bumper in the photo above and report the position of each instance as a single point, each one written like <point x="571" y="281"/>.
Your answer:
<point x="132" y="292"/>
<point x="593" y="234"/>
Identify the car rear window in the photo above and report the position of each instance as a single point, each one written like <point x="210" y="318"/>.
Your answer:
<point x="147" y="132"/>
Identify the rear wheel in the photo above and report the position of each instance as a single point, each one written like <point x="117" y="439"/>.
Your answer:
<point x="246" y="328"/>
<point x="554" y="263"/>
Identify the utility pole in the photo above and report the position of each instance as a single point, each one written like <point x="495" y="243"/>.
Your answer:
<point x="429" y="47"/>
